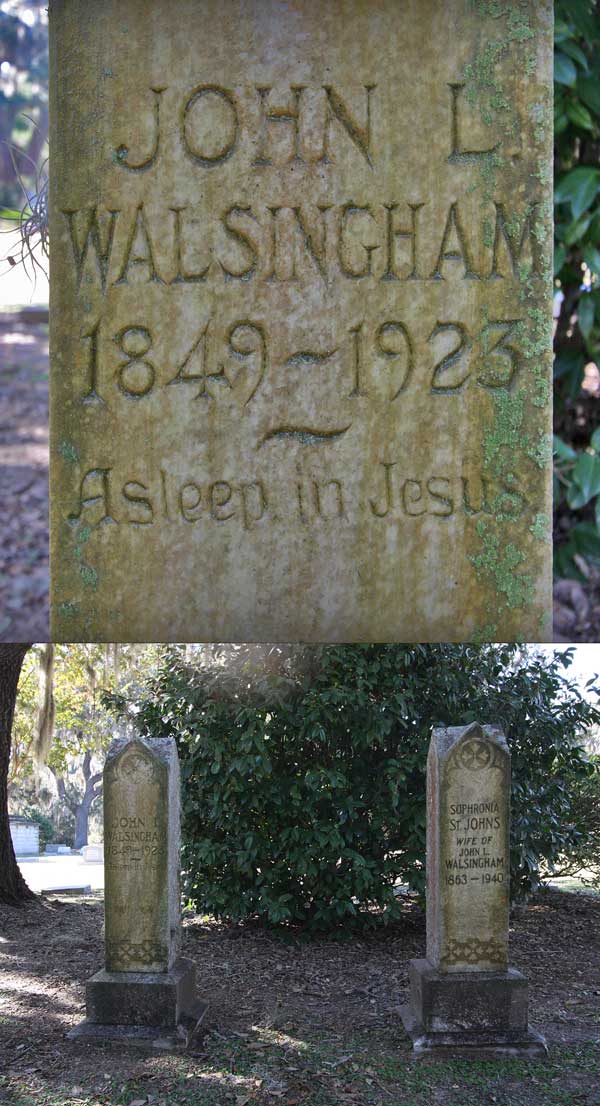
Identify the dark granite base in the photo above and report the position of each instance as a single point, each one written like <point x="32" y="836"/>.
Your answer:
<point x="477" y="1014"/>
<point x="155" y="1009"/>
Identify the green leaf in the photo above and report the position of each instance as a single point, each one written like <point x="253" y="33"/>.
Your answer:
<point x="569" y="363"/>
<point x="589" y="90"/>
<point x="579" y="115"/>
<point x="562" y="31"/>
<point x="579" y="187"/>
<point x="560" y="256"/>
<point x="565" y="71"/>
<point x="595" y="440"/>
<point x="574" y="51"/>
<point x="561" y="122"/>
<point x="580" y="15"/>
<point x="586" y="481"/>
<point x="576" y="230"/>
<point x="591" y="256"/>
<point x="586" y="540"/>
<point x="563" y="450"/>
<point x="585" y="314"/>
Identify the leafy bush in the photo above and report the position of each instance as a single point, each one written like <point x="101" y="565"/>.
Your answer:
<point x="306" y="803"/>
<point x="584" y="851"/>
<point x="47" y="831"/>
<point x="577" y="271"/>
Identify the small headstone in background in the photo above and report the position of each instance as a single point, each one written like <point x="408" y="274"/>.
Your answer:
<point x="92" y="854"/>
<point x="146" y="992"/>
<point x="463" y="996"/>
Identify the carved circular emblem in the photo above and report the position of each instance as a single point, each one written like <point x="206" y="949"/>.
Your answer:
<point x="134" y="764"/>
<point x="474" y="755"/>
<point x="131" y="764"/>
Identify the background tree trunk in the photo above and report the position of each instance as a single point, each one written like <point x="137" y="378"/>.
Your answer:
<point x="13" y="888"/>
<point x="82" y="812"/>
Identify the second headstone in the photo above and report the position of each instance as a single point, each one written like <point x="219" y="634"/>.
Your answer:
<point x="464" y="997"/>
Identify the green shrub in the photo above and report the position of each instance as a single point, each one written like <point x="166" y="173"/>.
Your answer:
<point x="308" y="806"/>
<point x="584" y="852"/>
<point x="577" y="272"/>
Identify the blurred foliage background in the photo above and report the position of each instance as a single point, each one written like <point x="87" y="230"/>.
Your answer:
<point x="577" y="292"/>
<point x="24" y="126"/>
<point x="23" y="97"/>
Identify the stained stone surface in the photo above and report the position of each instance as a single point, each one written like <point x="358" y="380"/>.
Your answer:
<point x="141" y="849"/>
<point x="468" y="864"/>
<point x="464" y="998"/>
<point x="300" y="319"/>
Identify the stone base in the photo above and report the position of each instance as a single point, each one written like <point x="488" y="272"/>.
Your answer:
<point x="471" y="1014"/>
<point x="156" y="1009"/>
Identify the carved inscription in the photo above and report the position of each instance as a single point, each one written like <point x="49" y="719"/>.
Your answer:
<point x="296" y="337"/>
<point x="491" y="359"/>
<point x="131" y="842"/>
<point x="475" y="865"/>
<point x="104" y="496"/>
<point x="378" y="242"/>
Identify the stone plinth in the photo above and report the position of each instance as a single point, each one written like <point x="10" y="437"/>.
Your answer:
<point x="146" y="993"/>
<point x="463" y="996"/>
<point x="301" y="320"/>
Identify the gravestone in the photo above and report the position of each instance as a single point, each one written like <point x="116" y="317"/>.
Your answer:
<point x="301" y="320"/>
<point x="464" y="998"/>
<point x="146" y="992"/>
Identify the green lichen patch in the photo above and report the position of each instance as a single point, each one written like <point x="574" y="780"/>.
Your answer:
<point x="498" y="565"/>
<point x="504" y="437"/>
<point x="68" y="609"/>
<point x="541" y="527"/>
<point x="483" y="88"/>
<point x="82" y="535"/>
<point x="89" y="576"/>
<point x="68" y="451"/>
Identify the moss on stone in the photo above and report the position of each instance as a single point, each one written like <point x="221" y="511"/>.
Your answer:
<point x="67" y="609"/>
<point x="500" y="565"/>
<point x="541" y="527"/>
<point x="88" y="575"/>
<point x="68" y="451"/>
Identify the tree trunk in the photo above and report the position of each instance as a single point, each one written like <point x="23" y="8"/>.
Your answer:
<point x="82" y="812"/>
<point x="13" y="889"/>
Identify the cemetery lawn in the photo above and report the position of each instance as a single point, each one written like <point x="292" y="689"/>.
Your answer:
<point x="292" y="1020"/>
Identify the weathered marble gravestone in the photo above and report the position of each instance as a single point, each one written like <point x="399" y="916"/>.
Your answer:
<point x="301" y="320"/>
<point x="147" y="991"/>
<point x="464" y="997"/>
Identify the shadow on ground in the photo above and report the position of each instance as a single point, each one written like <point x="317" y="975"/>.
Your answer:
<point x="295" y="1021"/>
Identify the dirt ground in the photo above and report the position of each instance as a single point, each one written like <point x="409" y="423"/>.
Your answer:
<point x="24" y="479"/>
<point x="293" y="1021"/>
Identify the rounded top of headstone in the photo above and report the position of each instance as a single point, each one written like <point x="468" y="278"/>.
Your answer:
<point x="471" y="748"/>
<point x="132" y="755"/>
